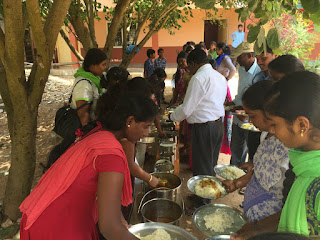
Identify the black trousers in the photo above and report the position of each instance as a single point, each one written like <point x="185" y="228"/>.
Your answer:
<point x="206" y="142"/>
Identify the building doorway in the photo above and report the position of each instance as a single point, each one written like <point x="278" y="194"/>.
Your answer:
<point x="215" y="31"/>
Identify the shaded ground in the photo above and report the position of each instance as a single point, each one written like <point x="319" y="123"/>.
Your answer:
<point x="57" y="92"/>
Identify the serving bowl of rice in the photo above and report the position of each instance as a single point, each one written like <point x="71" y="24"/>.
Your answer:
<point x="206" y="187"/>
<point x="229" y="172"/>
<point x="218" y="219"/>
<point x="160" y="231"/>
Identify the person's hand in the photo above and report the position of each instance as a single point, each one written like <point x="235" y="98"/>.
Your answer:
<point x="154" y="182"/>
<point x="242" y="118"/>
<point x="162" y="134"/>
<point x="245" y="232"/>
<point x="124" y="223"/>
<point x="229" y="185"/>
<point x="248" y="166"/>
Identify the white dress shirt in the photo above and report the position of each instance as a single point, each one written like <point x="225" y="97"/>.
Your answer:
<point x="204" y="99"/>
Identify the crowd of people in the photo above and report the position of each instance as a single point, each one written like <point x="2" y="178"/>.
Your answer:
<point x="89" y="176"/>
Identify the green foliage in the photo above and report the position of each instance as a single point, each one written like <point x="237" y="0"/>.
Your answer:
<point x="253" y="33"/>
<point x="312" y="65"/>
<point x="311" y="6"/>
<point x="273" y="39"/>
<point x="294" y="36"/>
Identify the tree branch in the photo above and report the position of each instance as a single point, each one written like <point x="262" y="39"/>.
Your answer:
<point x="79" y="27"/>
<point x="2" y="45"/>
<point x="125" y="34"/>
<point x="132" y="5"/>
<point x="90" y="14"/>
<point x="54" y="22"/>
<point x="114" y="26"/>
<point x="141" y="24"/>
<point x="67" y="40"/>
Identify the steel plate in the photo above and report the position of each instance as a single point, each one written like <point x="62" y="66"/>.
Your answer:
<point x="218" y="170"/>
<point x="200" y="213"/>
<point x="220" y="237"/>
<point x="175" y="232"/>
<point x="192" y="182"/>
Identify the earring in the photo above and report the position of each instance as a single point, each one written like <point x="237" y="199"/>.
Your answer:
<point x="129" y="125"/>
<point x="301" y="133"/>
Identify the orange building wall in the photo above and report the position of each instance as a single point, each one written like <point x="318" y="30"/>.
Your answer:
<point x="192" y="30"/>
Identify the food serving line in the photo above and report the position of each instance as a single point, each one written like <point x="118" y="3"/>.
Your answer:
<point x="164" y="207"/>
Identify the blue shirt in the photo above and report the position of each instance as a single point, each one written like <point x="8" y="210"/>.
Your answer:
<point x="148" y="67"/>
<point x="160" y="63"/>
<point x="246" y="79"/>
<point x="237" y="38"/>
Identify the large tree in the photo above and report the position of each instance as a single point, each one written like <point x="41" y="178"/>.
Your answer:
<point x="22" y="95"/>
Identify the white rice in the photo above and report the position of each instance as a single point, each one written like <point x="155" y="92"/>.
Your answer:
<point x="209" y="192"/>
<point x="232" y="172"/>
<point x="218" y="221"/>
<point x="159" y="234"/>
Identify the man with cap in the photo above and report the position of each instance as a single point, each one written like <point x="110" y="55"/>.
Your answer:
<point x="248" y="75"/>
<point x="203" y="108"/>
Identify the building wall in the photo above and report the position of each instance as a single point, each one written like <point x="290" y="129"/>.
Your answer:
<point x="192" y="30"/>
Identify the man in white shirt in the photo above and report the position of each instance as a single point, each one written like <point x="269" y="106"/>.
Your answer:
<point x="203" y="108"/>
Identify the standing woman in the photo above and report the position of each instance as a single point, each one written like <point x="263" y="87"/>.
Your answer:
<point x="293" y="107"/>
<point x="227" y="69"/>
<point x="86" y="88"/>
<point x="91" y="180"/>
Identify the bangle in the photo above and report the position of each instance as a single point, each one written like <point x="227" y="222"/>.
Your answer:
<point x="235" y="184"/>
<point x="150" y="178"/>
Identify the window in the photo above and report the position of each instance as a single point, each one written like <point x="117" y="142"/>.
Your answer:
<point x="118" y="41"/>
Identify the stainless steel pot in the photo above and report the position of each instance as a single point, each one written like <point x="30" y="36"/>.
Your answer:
<point x="168" y="156"/>
<point x="171" y="136"/>
<point x="164" y="165"/>
<point x="161" y="210"/>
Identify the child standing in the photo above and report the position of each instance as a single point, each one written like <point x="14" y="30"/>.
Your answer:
<point x="148" y="64"/>
<point x="161" y="61"/>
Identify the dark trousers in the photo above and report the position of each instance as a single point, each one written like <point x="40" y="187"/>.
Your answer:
<point x="243" y="142"/>
<point x="253" y="143"/>
<point x="238" y="146"/>
<point x="206" y="142"/>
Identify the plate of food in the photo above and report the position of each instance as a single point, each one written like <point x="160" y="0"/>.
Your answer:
<point x="147" y="140"/>
<point x="206" y="187"/>
<point x="218" y="219"/>
<point x="229" y="172"/>
<point x="250" y="127"/>
<point x="219" y="237"/>
<point x="228" y="108"/>
<point x="160" y="231"/>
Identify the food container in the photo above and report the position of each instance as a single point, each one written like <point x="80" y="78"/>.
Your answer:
<point x="177" y="233"/>
<point x="167" y="146"/>
<point x="169" y="181"/>
<point x="164" y="165"/>
<point x="167" y="125"/>
<point x="168" y="156"/>
<point x="161" y="210"/>
<point x="171" y="136"/>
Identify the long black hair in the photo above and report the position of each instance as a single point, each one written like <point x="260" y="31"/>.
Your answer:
<point x="286" y="64"/>
<point x="94" y="56"/>
<point x="224" y="47"/>
<point x="254" y="96"/>
<point x="112" y="113"/>
<point x="296" y="94"/>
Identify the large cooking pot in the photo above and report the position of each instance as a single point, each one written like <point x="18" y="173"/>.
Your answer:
<point x="161" y="210"/>
<point x="167" y="146"/>
<point x="168" y="156"/>
<point x="164" y="165"/>
<point x="167" y="181"/>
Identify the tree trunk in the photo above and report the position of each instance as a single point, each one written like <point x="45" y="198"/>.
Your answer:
<point x="23" y="160"/>
<point x="73" y="50"/>
<point x="126" y="59"/>
<point x="114" y="26"/>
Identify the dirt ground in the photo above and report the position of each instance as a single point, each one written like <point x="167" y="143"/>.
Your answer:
<point x="57" y="91"/>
